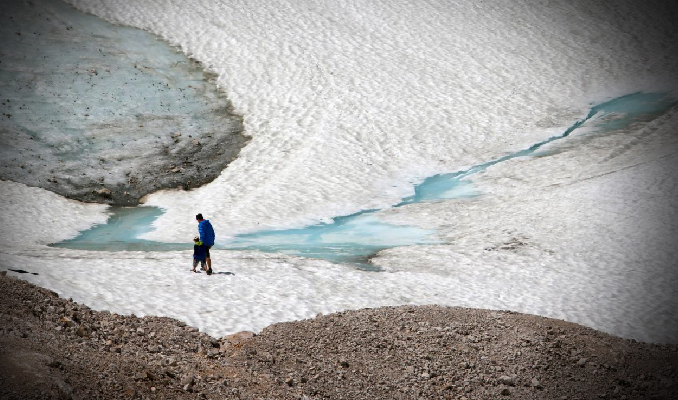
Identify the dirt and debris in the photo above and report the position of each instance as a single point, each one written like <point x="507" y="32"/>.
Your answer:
<point x="51" y="347"/>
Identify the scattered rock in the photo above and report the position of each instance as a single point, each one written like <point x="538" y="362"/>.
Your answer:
<point x="507" y="380"/>
<point x="239" y="337"/>
<point x="82" y="331"/>
<point x="188" y="380"/>
<point x="141" y="376"/>
<point x="104" y="192"/>
<point x="130" y="392"/>
<point x="384" y="353"/>
<point x="535" y="383"/>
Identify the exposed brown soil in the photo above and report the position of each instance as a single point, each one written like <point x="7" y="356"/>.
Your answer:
<point x="55" y="348"/>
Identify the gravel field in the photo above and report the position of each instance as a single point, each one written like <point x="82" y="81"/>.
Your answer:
<point x="55" y="348"/>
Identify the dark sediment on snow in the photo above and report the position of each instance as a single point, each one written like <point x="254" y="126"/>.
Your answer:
<point x="104" y="113"/>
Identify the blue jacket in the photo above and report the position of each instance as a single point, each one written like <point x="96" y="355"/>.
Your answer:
<point x="206" y="232"/>
<point x="199" y="252"/>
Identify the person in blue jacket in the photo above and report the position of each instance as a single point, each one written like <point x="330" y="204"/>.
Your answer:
<point x="207" y="238"/>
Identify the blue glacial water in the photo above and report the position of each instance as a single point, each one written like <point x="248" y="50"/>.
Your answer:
<point x="353" y="239"/>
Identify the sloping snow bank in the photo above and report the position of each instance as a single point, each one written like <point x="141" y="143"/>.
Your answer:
<point x="586" y="234"/>
<point x="350" y="102"/>
<point x="33" y="217"/>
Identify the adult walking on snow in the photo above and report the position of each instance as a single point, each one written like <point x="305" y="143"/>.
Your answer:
<point x="206" y="237"/>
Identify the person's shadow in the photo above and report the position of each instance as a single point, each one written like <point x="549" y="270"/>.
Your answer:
<point x="223" y="273"/>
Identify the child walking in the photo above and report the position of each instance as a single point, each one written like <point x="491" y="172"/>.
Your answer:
<point x="199" y="254"/>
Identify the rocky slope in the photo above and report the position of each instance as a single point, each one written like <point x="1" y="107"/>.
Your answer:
<point x="55" y="348"/>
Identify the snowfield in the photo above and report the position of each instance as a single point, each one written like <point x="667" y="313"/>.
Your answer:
<point x="349" y="104"/>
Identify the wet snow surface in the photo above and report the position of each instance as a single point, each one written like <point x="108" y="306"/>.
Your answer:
<point x="354" y="239"/>
<point x="350" y="106"/>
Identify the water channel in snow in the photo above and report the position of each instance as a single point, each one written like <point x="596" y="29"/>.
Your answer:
<point x="353" y="239"/>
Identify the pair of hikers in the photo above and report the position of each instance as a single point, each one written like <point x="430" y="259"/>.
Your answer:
<point x="202" y="245"/>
